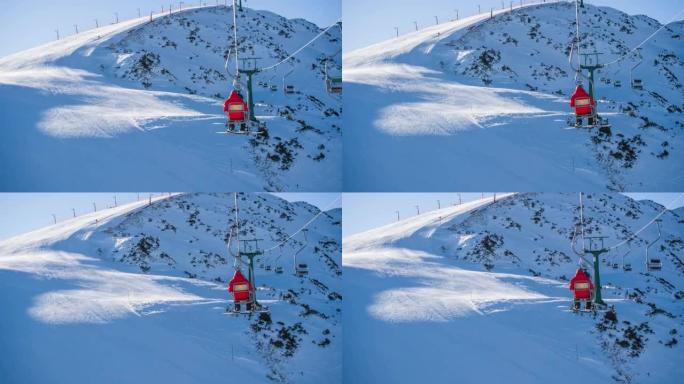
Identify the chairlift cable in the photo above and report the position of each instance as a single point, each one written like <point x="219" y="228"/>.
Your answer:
<point x="647" y="39"/>
<point x="648" y="224"/>
<point x="302" y="47"/>
<point x="235" y="39"/>
<point x="237" y="232"/>
<point x="578" y="36"/>
<point x="304" y="226"/>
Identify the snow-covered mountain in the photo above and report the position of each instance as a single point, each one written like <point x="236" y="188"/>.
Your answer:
<point x="494" y="91"/>
<point x="137" y="294"/>
<point x="140" y="103"/>
<point x="478" y="293"/>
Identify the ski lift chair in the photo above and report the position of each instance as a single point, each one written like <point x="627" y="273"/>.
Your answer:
<point x="627" y="267"/>
<point x="637" y="84"/>
<point x="301" y="269"/>
<point x="237" y="111"/>
<point x="289" y="89"/>
<point x="615" y="266"/>
<point x="279" y="269"/>
<point x="274" y="88"/>
<point x="582" y="289"/>
<point x="334" y="84"/>
<point x="617" y="84"/>
<point x="655" y="264"/>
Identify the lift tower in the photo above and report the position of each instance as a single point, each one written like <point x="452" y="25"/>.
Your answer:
<point x="250" y="249"/>
<point x="591" y="64"/>
<point x="596" y="248"/>
<point x="249" y="67"/>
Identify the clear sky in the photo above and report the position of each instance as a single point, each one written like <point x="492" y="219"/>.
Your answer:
<point x="24" y="212"/>
<point x="367" y="22"/>
<point x="364" y="211"/>
<point x="26" y="24"/>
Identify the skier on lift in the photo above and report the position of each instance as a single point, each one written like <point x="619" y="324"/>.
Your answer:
<point x="584" y="105"/>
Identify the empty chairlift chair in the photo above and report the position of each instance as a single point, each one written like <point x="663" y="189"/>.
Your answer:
<point x="637" y="84"/>
<point x="334" y="84"/>
<point x="301" y="269"/>
<point x="654" y="263"/>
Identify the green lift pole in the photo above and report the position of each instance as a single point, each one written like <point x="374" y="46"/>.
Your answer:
<point x="591" y="66"/>
<point x="249" y="68"/>
<point x="240" y="6"/>
<point x="250" y="249"/>
<point x="596" y="248"/>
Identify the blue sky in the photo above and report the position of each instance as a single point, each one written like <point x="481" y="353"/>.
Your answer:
<point x="26" y="24"/>
<point x="367" y="22"/>
<point x="24" y="212"/>
<point x="364" y="211"/>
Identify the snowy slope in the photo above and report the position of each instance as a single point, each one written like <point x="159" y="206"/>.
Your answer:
<point x="494" y="92"/>
<point x="141" y="103"/>
<point x="478" y="293"/>
<point x="137" y="294"/>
